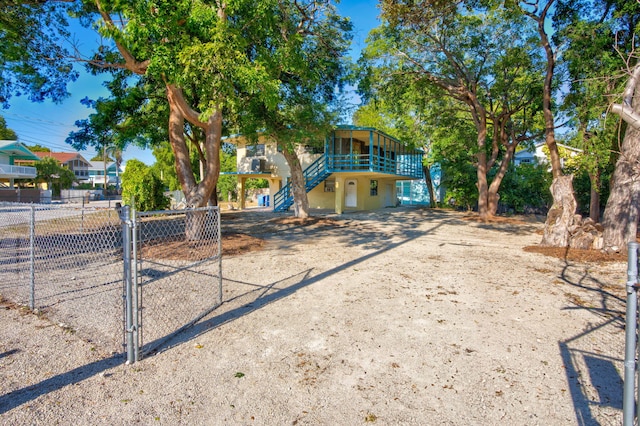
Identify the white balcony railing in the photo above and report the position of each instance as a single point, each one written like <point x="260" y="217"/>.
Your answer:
<point x="17" y="172"/>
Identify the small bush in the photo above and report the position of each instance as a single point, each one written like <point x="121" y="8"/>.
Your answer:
<point x="142" y="185"/>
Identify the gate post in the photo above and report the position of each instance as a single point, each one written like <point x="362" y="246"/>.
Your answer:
<point x="135" y="288"/>
<point x="32" y="259"/>
<point x="628" y="398"/>
<point x="127" y="258"/>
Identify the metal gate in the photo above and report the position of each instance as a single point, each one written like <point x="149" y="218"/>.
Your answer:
<point x="172" y="274"/>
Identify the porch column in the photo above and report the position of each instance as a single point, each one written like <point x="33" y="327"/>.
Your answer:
<point x="241" y="201"/>
<point x="339" y="194"/>
<point x="274" y="187"/>
<point x="11" y="183"/>
<point x="370" y="150"/>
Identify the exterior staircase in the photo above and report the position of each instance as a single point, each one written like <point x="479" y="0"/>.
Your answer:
<point x="314" y="174"/>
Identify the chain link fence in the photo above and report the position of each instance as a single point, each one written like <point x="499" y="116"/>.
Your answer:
<point x="66" y="264"/>
<point x="83" y="267"/>
<point x="178" y="271"/>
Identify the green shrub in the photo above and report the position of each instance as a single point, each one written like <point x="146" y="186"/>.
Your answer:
<point x="141" y="184"/>
<point x="526" y="188"/>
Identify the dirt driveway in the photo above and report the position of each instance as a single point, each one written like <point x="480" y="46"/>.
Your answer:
<point x="404" y="316"/>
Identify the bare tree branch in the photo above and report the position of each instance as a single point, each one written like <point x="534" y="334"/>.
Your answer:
<point x="131" y="63"/>
<point x="625" y="109"/>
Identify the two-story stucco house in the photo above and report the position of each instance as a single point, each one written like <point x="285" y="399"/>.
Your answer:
<point x="97" y="177"/>
<point x="10" y="153"/>
<point x="355" y="169"/>
<point x="73" y="161"/>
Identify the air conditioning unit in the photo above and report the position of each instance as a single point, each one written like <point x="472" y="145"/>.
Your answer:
<point x="259" y="165"/>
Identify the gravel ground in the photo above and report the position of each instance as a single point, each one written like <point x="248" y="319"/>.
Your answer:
<point x="404" y="316"/>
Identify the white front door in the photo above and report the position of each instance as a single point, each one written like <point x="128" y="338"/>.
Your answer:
<point x="351" y="193"/>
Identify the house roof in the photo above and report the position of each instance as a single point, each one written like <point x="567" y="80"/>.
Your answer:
<point x="62" y="157"/>
<point x="344" y="127"/>
<point x="531" y="151"/>
<point x="17" y="150"/>
<point x="99" y="165"/>
<point x="524" y="153"/>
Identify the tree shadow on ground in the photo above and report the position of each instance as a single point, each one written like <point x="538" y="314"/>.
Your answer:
<point x="261" y="294"/>
<point x="583" y="363"/>
<point x="18" y="397"/>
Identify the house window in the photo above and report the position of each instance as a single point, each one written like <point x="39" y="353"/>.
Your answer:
<point x="317" y="148"/>
<point x="329" y="186"/>
<point x="373" y="188"/>
<point x="256" y="150"/>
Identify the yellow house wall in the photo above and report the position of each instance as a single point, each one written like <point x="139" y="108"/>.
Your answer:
<point x="319" y="199"/>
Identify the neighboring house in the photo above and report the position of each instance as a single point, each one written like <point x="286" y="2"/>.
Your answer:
<point x="416" y="192"/>
<point x="356" y="169"/>
<point x="10" y="153"/>
<point x="537" y="155"/>
<point x="96" y="173"/>
<point x="73" y="161"/>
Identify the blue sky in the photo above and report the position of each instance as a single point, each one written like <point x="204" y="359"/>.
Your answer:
<point x="49" y="124"/>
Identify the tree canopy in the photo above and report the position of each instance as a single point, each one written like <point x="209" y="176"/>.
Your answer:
<point x="6" y="133"/>
<point x="34" y="61"/>
<point x="482" y="58"/>
<point x="56" y="176"/>
<point x="468" y="80"/>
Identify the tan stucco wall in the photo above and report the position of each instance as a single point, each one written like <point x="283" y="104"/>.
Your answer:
<point x="319" y="199"/>
<point x="275" y="161"/>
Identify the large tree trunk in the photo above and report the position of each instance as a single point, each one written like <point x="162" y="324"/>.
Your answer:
<point x="433" y="202"/>
<point x="483" y="186"/>
<point x="620" y="219"/>
<point x="594" y="197"/>
<point x="556" y="231"/>
<point x="493" y="196"/>
<point x="480" y="119"/>
<point x="196" y="195"/>
<point x="300" y="199"/>
<point x="561" y="215"/>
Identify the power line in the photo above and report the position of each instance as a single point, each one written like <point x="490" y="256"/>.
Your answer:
<point x="38" y="120"/>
